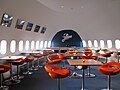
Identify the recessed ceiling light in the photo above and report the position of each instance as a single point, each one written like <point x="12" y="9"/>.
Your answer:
<point x="82" y="6"/>
<point x="61" y="6"/>
<point x="71" y="8"/>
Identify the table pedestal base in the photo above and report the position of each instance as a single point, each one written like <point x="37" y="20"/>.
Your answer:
<point x="18" y="77"/>
<point x="28" y="72"/>
<point x="106" y="89"/>
<point x="90" y="75"/>
<point x="4" y="88"/>
<point x="76" y="75"/>
<point x="11" y="82"/>
<point x="84" y="89"/>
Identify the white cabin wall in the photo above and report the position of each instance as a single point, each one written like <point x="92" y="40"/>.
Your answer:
<point x="21" y="9"/>
<point x="97" y="20"/>
<point x="26" y="10"/>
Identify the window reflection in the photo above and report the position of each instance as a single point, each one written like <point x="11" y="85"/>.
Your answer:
<point x="3" y="46"/>
<point x="45" y="44"/>
<point x="102" y="44"/>
<point x="32" y="45"/>
<point x="89" y="43"/>
<point x="117" y="44"/>
<point x="41" y="44"/>
<point x="13" y="46"/>
<point x="95" y="43"/>
<point x="49" y="44"/>
<point x="27" y="45"/>
<point x="109" y="43"/>
<point x="84" y="43"/>
<point x="37" y="44"/>
<point x="20" y="45"/>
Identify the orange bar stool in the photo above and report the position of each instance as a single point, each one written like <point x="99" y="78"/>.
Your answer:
<point x="118" y="53"/>
<point x="70" y="51"/>
<point x="88" y="52"/>
<point x="62" y="56"/>
<point x="28" y="60"/>
<point x="38" y="56"/>
<point x="57" y="72"/>
<point x="45" y="54"/>
<point x="50" y="51"/>
<point x="111" y="68"/>
<point x="88" y="55"/>
<point x="54" y="59"/>
<point x="3" y="68"/>
<point x="33" y="63"/>
<point x="88" y="73"/>
<point x="18" y="62"/>
<point x="106" y="55"/>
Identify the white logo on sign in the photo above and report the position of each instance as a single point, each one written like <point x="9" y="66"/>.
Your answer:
<point x="66" y="36"/>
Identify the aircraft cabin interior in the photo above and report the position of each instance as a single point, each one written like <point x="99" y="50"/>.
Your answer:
<point x="59" y="44"/>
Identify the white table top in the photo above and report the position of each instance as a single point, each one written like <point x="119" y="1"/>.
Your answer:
<point x="12" y="57"/>
<point x="31" y="52"/>
<point x="79" y="62"/>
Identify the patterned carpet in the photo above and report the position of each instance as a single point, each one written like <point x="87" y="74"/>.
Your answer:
<point x="40" y="80"/>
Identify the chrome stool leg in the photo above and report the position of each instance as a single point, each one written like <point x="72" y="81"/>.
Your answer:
<point x="33" y="66"/>
<point x="28" y="69"/>
<point x="58" y="84"/>
<point x="75" y="74"/>
<point x="1" y="86"/>
<point x="108" y="84"/>
<point x="18" y="76"/>
<point x="89" y="74"/>
<point x="39" y="66"/>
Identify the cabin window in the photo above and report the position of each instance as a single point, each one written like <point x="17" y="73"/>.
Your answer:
<point x="49" y="44"/>
<point x="117" y="44"/>
<point x="41" y="44"/>
<point x="102" y="44"/>
<point x="13" y="46"/>
<point x="95" y="43"/>
<point x="37" y="44"/>
<point x="32" y="45"/>
<point x="84" y="43"/>
<point x="45" y="44"/>
<point x="89" y="43"/>
<point x="109" y="43"/>
<point x="20" y="45"/>
<point x="3" y="46"/>
<point x="27" y="45"/>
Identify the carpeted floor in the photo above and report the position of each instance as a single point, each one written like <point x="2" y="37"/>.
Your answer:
<point x="40" y="80"/>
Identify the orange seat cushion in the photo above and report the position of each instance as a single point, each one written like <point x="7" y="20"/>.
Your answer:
<point x="62" y="56"/>
<point x="105" y="55"/>
<point x="4" y="68"/>
<point x="111" y="68"/>
<point x="50" y="52"/>
<point x="54" y="59"/>
<point x="89" y="57"/>
<point x="29" y="59"/>
<point x="88" y="52"/>
<point x="18" y="61"/>
<point x="38" y="55"/>
<point x="109" y="52"/>
<point x="57" y="72"/>
<point x="118" y="53"/>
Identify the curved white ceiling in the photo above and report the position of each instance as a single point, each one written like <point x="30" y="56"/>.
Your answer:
<point x="63" y="5"/>
<point x="72" y="6"/>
